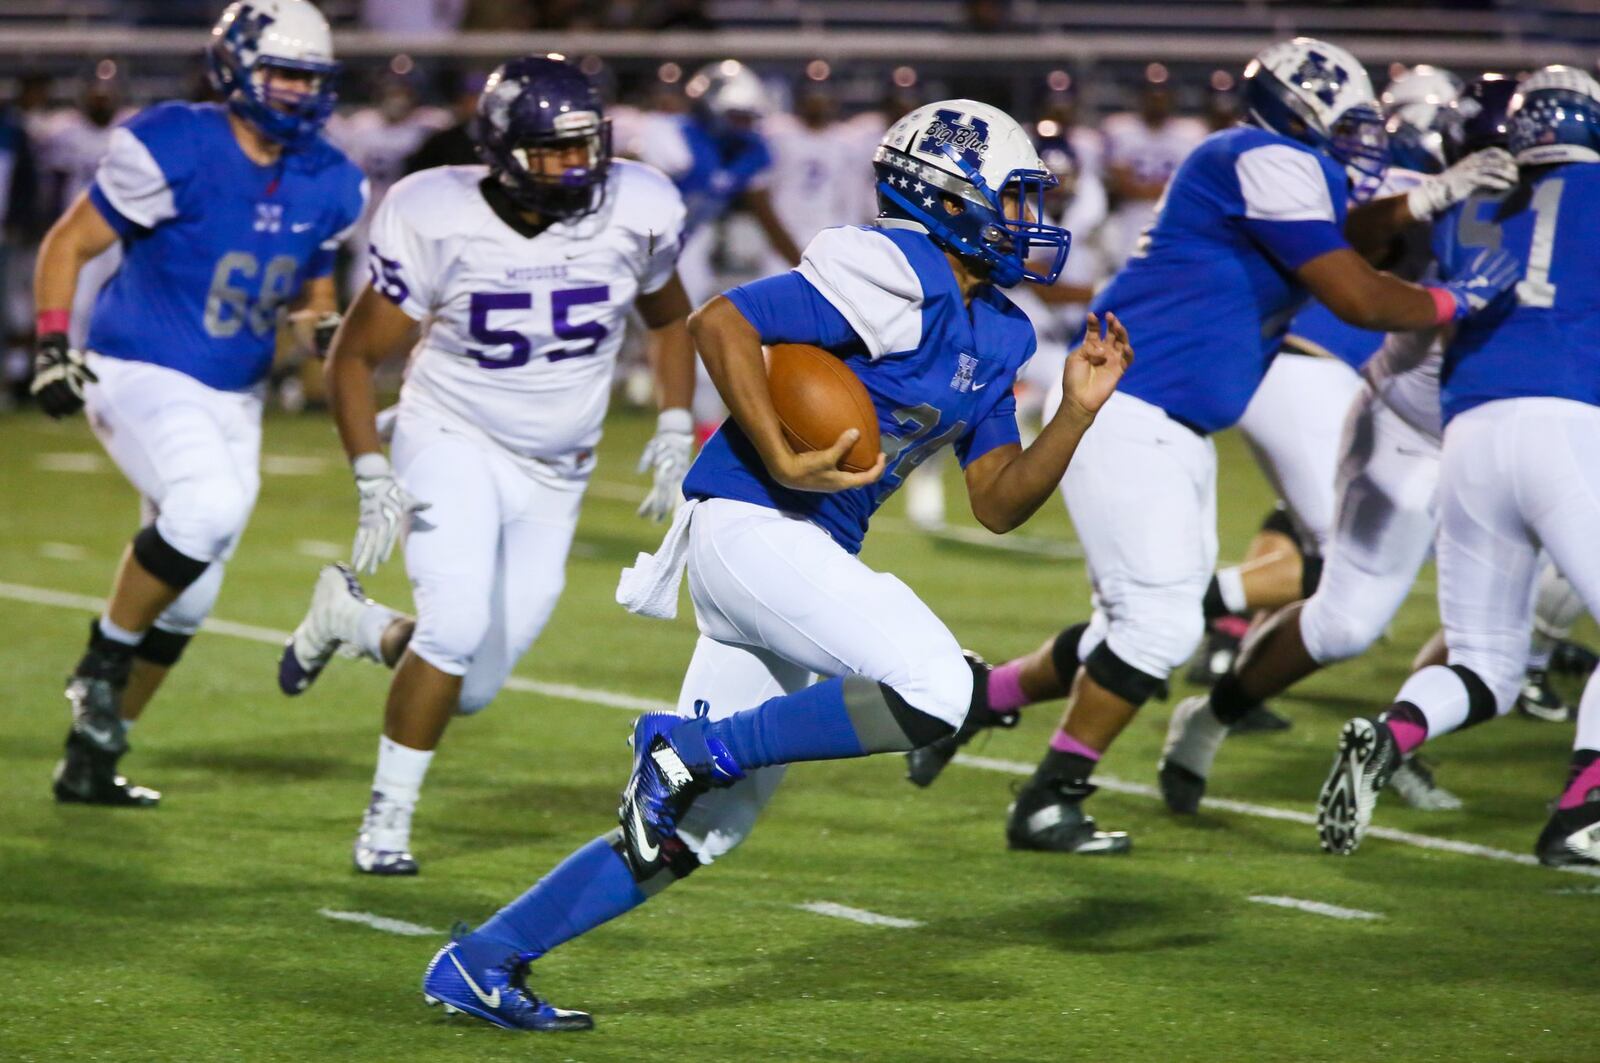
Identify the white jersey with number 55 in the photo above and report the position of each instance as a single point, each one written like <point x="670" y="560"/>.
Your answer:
<point x="521" y="325"/>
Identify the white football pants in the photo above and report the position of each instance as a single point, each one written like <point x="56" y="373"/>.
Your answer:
<point x="1142" y="493"/>
<point x="487" y="559"/>
<point x="777" y="601"/>
<point x="193" y="453"/>
<point x="1294" y="425"/>
<point x="1382" y="533"/>
<point x="1515" y="474"/>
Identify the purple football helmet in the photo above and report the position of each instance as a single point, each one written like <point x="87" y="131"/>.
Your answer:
<point x="537" y="104"/>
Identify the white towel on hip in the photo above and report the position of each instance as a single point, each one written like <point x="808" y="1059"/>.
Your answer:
<point x="650" y="587"/>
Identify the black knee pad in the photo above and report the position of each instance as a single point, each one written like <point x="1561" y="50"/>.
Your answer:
<point x="1310" y="573"/>
<point x="163" y="560"/>
<point x="1064" y="652"/>
<point x="1120" y="677"/>
<point x="920" y="729"/>
<point x="980" y="686"/>
<point x="161" y="648"/>
<point x="1480" y="699"/>
<point x="1278" y="521"/>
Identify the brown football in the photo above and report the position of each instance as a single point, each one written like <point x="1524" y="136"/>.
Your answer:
<point x="817" y="398"/>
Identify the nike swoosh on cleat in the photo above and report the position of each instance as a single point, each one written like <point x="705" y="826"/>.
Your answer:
<point x="648" y="850"/>
<point x="490" y="1000"/>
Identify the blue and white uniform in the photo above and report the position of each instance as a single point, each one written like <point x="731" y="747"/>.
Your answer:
<point x="779" y="594"/>
<point x="182" y="335"/>
<point x="1521" y="403"/>
<point x="1206" y="299"/>
<point x="1296" y="420"/>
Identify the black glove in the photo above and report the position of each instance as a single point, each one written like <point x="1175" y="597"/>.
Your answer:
<point x="59" y="374"/>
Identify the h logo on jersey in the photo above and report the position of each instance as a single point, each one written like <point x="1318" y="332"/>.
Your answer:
<point x="966" y="365"/>
<point x="269" y="217"/>
<point x="1320" y="77"/>
<point x="965" y="134"/>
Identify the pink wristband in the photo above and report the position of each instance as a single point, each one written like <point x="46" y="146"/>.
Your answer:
<point x="48" y="321"/>
<point x="1444" y="306"/>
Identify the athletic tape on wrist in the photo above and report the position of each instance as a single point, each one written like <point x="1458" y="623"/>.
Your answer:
<point x="1444" y="306"/>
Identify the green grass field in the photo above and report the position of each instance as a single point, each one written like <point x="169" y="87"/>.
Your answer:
<point x="194" y="932"/>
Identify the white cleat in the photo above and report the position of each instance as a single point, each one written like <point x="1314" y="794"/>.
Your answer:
<point x="331" y="622"/>
<point x="383" y="847"/>
<point x="1367" y="757"/>
<point x="1413" y="781"/>
<point x="1194" y="734"/>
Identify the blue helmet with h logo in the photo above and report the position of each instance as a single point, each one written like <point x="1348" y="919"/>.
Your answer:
<point x="1555" y="117"/>
<point x="969" y="175"/>
<point x="537" y="104"/>
<point x="255" y="38"/>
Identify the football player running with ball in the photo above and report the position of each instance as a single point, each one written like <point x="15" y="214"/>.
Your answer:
<point x="914" y="306"/>
<point x="525" y="270"/>
<point x="227" y="214"/>
<point x="1520" y="395"/>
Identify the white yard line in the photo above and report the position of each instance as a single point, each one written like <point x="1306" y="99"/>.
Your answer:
<point x="381" y="922"/>
<point x="1332" y="911"/>
<point x="322" y="549"/>
<point x="857" y="915"/>
<point x="85" y="461"/>
<point x="63" y="552"/>
<point x="1288" y="815"/>
<point x="632" y="703"/>
<point x="293" y="465"/>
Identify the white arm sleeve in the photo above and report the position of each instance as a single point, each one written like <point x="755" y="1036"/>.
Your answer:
<point x="869" y="281"/>
<point x="1280" y="183"/>
<point x="131" y="180"/>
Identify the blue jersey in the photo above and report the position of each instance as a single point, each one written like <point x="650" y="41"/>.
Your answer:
<point x="1545" y="340"/>
<point x="721" y="169"/>
<point x="1209" y="291"/>
<point x="213" y="243"/>
<point x="885" y="301"/>
<point x="1318" y="330"/>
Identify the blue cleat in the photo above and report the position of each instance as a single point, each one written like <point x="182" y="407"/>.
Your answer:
<point x="495" y="993"/>
<point x="672" y="765"/>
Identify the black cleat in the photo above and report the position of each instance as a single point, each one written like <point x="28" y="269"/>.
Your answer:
<point x="1573" y="659"/>
<point x="1539" y="700"/>
<point x="924" y="765"/>
<point x="1572" y="837"/>
<point x="1259" y="720"/>
<point x="1368" y="755"/>
<point x="1049" y="817"/>
<point x="1220" y="650"/>
<point x="87" y="775"/>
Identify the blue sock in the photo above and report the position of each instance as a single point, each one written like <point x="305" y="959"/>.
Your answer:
<point x="810" y="724"/>
<point x="586" y="889"/>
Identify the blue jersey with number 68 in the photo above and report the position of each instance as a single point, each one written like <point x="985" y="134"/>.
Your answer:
<point x="885" y="300"/>
<point x="213" y="243"/>
<point x="1544" y="339"/>
<point x="522" y="322"/>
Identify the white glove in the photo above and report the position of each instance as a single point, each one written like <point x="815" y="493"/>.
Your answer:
<point x="667" y="454"/>
<point x="1490" y="170"/>
<point x="386" y="511"/>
